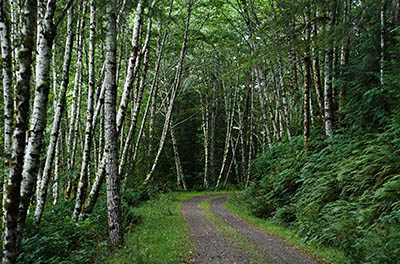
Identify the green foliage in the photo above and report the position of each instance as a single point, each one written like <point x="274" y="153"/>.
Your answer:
<point x="162" y="236"/>
<point x="343" y="193"/>
<point x="62" y="240"/>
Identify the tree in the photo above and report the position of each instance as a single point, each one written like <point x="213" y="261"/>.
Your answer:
<point x="111" y="137"/>
<point x="22" y="96"/>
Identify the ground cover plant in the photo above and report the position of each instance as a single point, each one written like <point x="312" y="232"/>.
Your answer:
<point x="343" y="192"/>
<point x="162" y="236"/>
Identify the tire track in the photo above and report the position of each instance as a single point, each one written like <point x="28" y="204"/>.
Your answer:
<point x="279" y="252"/>
<point x="210" y="245"/>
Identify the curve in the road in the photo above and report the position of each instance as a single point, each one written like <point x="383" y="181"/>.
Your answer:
<point x="279" y="252"/>
<point x="211" y="246"/>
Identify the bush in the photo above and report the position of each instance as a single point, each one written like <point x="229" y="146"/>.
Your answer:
<point x="62" y="240"/>
<point x="344" y="192"/>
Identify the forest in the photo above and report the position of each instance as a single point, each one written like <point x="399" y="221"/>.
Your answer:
<point x="109" y="105"/>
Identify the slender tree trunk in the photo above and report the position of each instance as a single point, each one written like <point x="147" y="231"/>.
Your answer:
<point x="111" y="136"/>
<point x="139" y="97"/>
<point x="100" y="174"/>
<point x="76" y="97"/>
<point x="8" y="93"/>
<point x="230" y="113"/>
<point x="56" y="172"/>
<point x="46" y="33"/>
<point x="175" y="88"/>
<point x="317" y="83"/>
<point x="132" y="68"/>
<point x="263" y="107"/>
<point x="382" y="35"/>
<point x="153" y="92"/>
<point x="83" y="179"/>
<point x="22" y="97"/>
<point x="206" y="133"/>
<point x="232" y="159"/>
<point x="250" y="139"/>
<point x="213" y="132"/>
<point x="59" y="111"/>
<point x="306" y="99"/>
<point x="243" y="130"/>
<point x="343" y="63"/>
<point x="328" y="108"/>
<point x="178" y="164"/>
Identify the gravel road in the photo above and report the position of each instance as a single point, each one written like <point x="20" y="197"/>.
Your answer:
<point x="214" y="247"/>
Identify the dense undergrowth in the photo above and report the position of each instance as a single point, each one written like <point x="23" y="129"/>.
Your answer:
<point x="343" y="192"/>
<point x="60" y="239"/>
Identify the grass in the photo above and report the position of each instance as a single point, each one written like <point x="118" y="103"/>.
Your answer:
<point x="240" y="240"/>
<point x="163" y="235"/>
<point x="330" y="255"/>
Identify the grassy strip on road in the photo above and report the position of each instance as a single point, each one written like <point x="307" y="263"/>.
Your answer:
<point x="240" y="240"/>
<point x="329" y="255"/>
<point x="162" y="237"/>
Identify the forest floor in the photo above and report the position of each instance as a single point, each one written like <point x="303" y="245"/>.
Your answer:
<point x="219" y="236"/>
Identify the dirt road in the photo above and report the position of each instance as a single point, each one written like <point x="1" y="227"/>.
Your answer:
<point x="215" y="247"/>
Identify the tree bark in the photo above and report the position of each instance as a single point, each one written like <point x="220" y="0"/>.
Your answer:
<point x="179" y="169"/>
<point x="46" y="35"/>
<point x="382" y="36"/>
<point x="206" y="133"/>
<point x="59" y="111"/>
<point x="22" y="97"/>
<point x="83" y="179"/>
<point x="328" y="108"/>
<point x="176" y="85"/>
<point x="100" y="174"/>
<point x="213" y="132"/>
<point x="76" y="98"/>
<point x="230" y="113"/>
<point x="139" y="96"/>
<point x="152" y="96"/>
<point x="306" y="99"/>
<point x="111" y="136"/>
<point x="132" y="68"/>
<point x="8" y="93"/>
<point x="263" y="107"/>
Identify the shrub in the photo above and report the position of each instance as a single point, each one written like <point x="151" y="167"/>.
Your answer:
<point x="344" y="192"/>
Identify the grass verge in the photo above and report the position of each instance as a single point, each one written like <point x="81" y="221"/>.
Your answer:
<point x="285" y="233"/>
<point x="162" y="237"/>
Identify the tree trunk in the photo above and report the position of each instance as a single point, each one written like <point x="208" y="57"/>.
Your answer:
<point x="139" y="96"/>
<point x="382" y="36"/>
<point x="83" y="179"/>
<point x="263" y="107"/>
<point x="213" y="132"/>
<point x="46" y="33"/>
<point x="59" y="111"/>
<point x="132" y="68"/>
<point x="178" y="164"/>
<point x="176" y="85"/>
<point x="100" y="174"/>
<point x="328" y="108"/>
<point x="206" y="133"/>
<point x="152" y="96"/>
<point x="306" y="99"/>
<point x="22" y="96"/>
<point x="75" y="107"/>
<point x="111" y="136"/>
<point x="230" y="113"/>
<point x="8" y="93"/>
